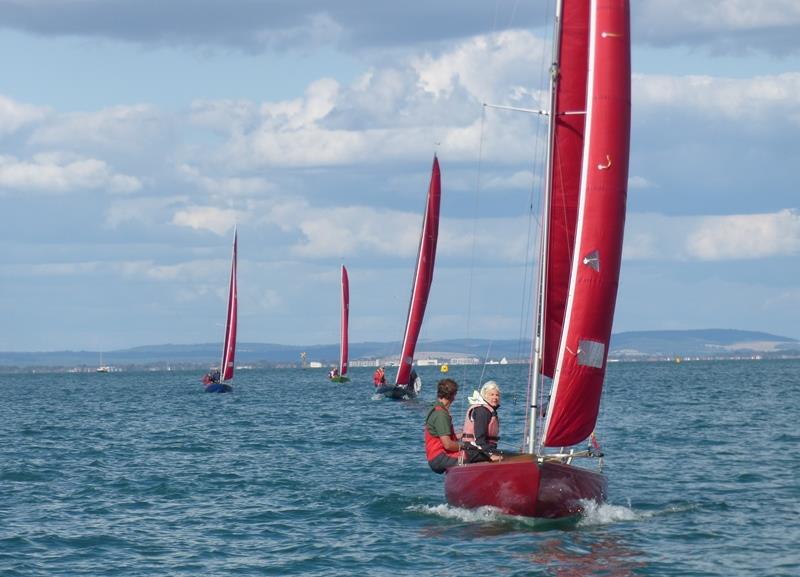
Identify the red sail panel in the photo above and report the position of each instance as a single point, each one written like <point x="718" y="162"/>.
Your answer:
<point x="229" y="348"/>
<point x="423" y="276"/>
<point x="565" y="170"/>
<point x="581" y="365"/>
<point x="345" y="320"/>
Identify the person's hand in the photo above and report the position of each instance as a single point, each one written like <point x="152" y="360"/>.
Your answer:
<point x="496" y="458"/>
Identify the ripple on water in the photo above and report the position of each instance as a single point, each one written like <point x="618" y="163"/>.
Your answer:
<point x="148" y="475"/>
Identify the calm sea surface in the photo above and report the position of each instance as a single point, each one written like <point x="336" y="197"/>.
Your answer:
<point x="144" y="474"/>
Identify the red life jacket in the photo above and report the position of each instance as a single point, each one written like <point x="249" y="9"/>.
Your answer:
<point x="433" y="445"/>
<point x="378" y="378"/>
<point x="493" y="432"/>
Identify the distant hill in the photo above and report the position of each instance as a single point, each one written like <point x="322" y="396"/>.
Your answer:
<point x="636" y="345"/>
<point x="700" y="343"/>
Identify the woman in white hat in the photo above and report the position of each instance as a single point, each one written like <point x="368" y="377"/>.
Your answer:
<point x="481" y="431"/>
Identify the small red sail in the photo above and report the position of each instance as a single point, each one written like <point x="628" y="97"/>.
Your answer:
<point x="595" y="264"/>
<point x="345" y="319"/>
<point x="229" y="348"/>
<point x="423" y="276"/>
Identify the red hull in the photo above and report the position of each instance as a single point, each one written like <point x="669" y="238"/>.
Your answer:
<point x="524" y="487"/>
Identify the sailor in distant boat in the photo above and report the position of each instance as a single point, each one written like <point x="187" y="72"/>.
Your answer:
<point x="333" y="373"/>
<point x="212" y="377"/>
<point x="442" y="447"/>
<point x="481" y="431"/>
<point x="379" y="378"/>
<point x="414" y="382"/>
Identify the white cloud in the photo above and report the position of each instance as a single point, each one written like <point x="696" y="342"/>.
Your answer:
<point x="352" y="231"/>
<point x="360" y="231"/>
<point x="282" y="213"/>
<point x="115" y="128"/>
<point x="316" y="30"/>
<point x="493" y="240"/>
<point x="224" y="186"/>
<point x="745" y="236"/>
<point x="217" y="220"/>
<point x="218" y="216"/>
<point x="392" y="112"/>
<point x="142" y="210"/>
<point x="56" y="173"/>
<point x="738" y="99"/>
<point x="195" y="269"/>
<point x="639" y="182"/>
<point x="224" y="116"/>
<point x="15" y="115"/>
<point x="520" y="180"/>
<point x="718" y="15"/>
<point x="309" y="146"/>
<point x="487" y="67"/>
<point x="712" y="238"/>
<point x="59" y="269"/>
<point x="719" y="27"/>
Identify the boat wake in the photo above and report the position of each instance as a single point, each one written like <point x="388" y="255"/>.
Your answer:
<point x="494" y="520"/>
<point x="479" y="515"/>
<point x="595" y="513"/>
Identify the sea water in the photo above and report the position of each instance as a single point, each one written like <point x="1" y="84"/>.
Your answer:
<point x="140" y="474"/>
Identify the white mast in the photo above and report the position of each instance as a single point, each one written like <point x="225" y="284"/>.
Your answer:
<point x="538" y="329"/>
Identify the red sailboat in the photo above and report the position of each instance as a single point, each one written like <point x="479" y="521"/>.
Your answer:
<point x="585" y="196"/>
<point x="215" y="382"/>
<point x="339" y="376"/>
<point x="407" y="384"/>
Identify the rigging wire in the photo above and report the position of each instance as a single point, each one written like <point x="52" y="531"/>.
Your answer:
<point x="471" y="276"/>
<point x="526" y="314"/>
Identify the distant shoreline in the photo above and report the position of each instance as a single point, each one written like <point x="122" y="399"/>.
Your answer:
<point x="200" y="367"/>
<point x="632" y="346"/>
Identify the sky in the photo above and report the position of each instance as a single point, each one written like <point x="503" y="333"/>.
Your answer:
<point x="136" y="134"/>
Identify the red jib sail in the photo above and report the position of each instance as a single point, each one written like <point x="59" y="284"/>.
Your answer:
<point x="600" y="221"/>
<point x="565" y="170"/>
<point x="423" y="275"/>
<point x="229" y="347"/>
<point x="345" y="318"/>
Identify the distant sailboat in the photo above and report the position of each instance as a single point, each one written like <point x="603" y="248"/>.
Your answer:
<point x="103" y="368"/>
<point x="580" y="258"/>
<point x="407" y="384"/>
<point x="341" y="373"/>
<point x="215" y="382"/>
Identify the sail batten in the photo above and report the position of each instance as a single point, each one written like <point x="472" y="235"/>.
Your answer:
<point x="423" y="276"/>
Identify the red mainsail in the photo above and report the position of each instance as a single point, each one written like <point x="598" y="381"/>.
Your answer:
<point x="423" y="275"/>
<point x="229" y="348"/>
<point x="345" y="320"/>
<point x="596" y="253"/>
